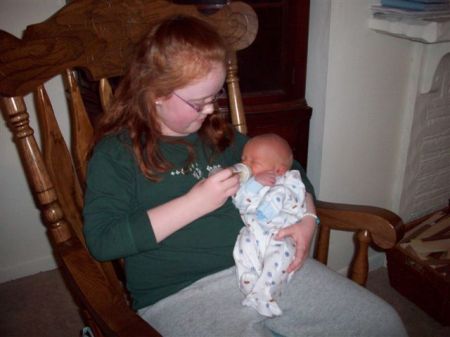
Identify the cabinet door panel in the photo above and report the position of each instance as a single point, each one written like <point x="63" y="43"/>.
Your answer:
<point x="272" y="73"/>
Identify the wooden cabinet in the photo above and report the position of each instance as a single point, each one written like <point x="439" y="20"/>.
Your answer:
<point x="272" y="73"/>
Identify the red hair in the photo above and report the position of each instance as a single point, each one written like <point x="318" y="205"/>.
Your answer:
<point x="176" y="52"/>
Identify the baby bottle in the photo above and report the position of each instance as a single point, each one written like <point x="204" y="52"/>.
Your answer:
<point x="241" y="169"/>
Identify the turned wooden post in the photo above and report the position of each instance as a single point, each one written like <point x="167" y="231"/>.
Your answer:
<point x="323" y="241"/>
<point x="234" y="94"/>
<point x="34" y="166"/>
<point x="360" y="263"/>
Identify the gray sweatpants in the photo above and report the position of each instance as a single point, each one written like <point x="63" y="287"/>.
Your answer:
<point x="317" y="302"/>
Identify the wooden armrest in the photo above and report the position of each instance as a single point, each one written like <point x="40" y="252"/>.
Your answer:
<point x="105" y="309"/>
<point x="384" y="226"/>
<point x="371" y="224"/>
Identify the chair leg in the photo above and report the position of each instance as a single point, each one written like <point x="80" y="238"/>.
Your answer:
<point x="87" y="318"/>
<point x="323" y="242"/>
<point x="360" y="265"/>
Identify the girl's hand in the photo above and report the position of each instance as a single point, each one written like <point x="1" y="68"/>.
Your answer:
<point x="301" y="233"/>
<point x="206" y="196"/>
<point x="213" y="192"/>
<point x="266" y="178"/>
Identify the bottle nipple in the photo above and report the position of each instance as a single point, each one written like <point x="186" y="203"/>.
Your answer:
<point x="243" y="171"/>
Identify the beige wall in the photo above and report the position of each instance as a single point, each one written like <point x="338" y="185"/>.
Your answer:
<point x="357" y="82"/>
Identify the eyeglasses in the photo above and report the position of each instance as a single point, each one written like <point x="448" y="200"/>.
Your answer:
<point x="200" y="108"/>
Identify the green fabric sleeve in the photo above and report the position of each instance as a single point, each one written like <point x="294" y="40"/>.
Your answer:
<point x="308" y="186"/>
<point x="114" y="224"/>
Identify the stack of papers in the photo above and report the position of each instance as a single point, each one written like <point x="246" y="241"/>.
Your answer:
<point x="380" y="11"/>
<point x="426" y="26"/>
<point x="435" y="10"/>
<point x="418" y="5"/>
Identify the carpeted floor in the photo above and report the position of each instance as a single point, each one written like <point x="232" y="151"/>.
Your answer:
<point x="40" y="306"/>
<point x="417" y="322"/>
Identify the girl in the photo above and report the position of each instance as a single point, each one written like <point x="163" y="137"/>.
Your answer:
<point x="150" y="201"/>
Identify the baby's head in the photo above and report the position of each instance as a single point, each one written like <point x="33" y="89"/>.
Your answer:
<point x="267" y="152"/>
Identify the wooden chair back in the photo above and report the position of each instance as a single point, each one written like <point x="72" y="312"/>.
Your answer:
<point x="96" y="38"/>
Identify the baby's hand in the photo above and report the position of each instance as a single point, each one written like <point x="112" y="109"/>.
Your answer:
<point x="266" y="178"/>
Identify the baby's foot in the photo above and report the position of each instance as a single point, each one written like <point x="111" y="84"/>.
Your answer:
<point x="266" y="308"/>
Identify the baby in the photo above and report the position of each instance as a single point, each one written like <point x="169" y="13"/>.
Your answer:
<point x="270" y="197"/>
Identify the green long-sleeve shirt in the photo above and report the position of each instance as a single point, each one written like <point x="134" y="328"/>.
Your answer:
<point x="117" y="226"/>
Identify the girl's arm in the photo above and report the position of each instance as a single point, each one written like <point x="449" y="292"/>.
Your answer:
<point x="203" y="198"/>
<point x="116" y="226"/>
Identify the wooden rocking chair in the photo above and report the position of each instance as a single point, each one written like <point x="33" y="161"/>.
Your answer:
<point x="97" y="37"/>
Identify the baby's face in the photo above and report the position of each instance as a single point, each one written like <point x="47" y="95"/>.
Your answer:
<point x="260" y="157"/>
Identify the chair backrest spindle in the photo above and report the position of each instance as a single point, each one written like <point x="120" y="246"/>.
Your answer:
<point x="40" y="180"/>
<point x="234" y="94"/>
<point x="82" y="131"/>
<point x="106" y="93"/>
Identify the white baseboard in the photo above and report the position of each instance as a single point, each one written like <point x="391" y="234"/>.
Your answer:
<point x="29" y="268"/>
